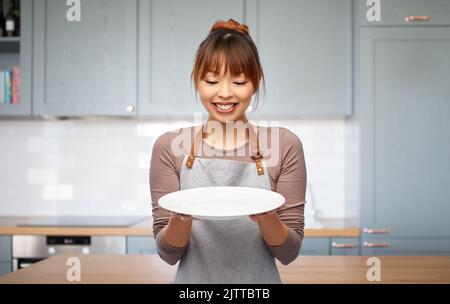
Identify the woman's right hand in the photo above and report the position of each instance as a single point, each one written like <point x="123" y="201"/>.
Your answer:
<point x="177" y="231"/>
<point x="183" y="217"/>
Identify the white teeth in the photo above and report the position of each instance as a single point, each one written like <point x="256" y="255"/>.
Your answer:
<point x="225" y="107"/>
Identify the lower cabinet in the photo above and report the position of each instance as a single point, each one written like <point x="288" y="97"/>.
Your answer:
<point x="315" y="246"/>
<point x="5" y="268"/>
<point x="310" y="246"/>
<point x="141" y="245"/>
<point x="345" y="246"/>
<point x="405" y="246"/>
<point x="5" y="248"/>
<point x="330" y="246"/>
<point x="5" y="254"/>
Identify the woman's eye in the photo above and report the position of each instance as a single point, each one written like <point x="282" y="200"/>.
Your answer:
<point x="210" y="82"/>
<point x="240" y="83"/>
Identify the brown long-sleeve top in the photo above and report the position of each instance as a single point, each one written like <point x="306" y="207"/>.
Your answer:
<point x="283" y="154"/>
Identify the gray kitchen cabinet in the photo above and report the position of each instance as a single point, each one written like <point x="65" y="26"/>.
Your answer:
<point x="5" y="254"/>
<point x="404" y="113"/>
<point x="87" y="67"/>
<point x="141" y="245"/>
<point x="170" y="32"/>
<point x="306" y="54"/>
<point x="345" y="246"/>
<point x="315" y="246"/>
<point x="16" y="51"/>
<point x="5" y="268"/>
<point x="399" y="13"/>
<point x="5" y="248"/>
<point x="406" y="246"/>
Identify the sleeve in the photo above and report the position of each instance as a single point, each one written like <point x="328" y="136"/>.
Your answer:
<point x="291" y="184"/>
<point x="163" y="179"/>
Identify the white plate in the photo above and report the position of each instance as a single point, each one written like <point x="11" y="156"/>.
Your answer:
<point x="221" y="203"/>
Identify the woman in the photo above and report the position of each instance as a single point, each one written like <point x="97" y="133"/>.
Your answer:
<point x="227" y="73"/>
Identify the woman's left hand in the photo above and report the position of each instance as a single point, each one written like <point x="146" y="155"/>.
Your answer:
<point x="273" y="230"/>
<point x="263" y="216"/>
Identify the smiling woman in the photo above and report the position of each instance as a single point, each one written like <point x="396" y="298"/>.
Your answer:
<point x="227" y="71"/>
<point x="227" y="74"/>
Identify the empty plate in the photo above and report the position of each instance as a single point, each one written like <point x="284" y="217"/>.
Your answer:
<point x="220" y="203"/>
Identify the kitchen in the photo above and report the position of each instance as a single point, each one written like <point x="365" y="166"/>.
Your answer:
<point x="368" y="98"/>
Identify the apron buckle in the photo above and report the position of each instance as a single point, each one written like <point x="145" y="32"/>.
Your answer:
<point x="190" y="161"/>
<point x="257" y="156"/>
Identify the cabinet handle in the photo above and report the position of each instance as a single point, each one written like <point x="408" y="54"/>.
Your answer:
<point x="376" y="231"/>
<point x="344" y="245"/>
<point x="130" y="109"/>
<point x="383" y="244"/>
<point x="417" y="18"/>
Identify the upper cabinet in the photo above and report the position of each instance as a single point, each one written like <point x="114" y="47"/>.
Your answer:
<point x="306" y="53"/>
<point x="405" y="12"/>
<point x="86" y="67"/>
<point x="16" y="52"/>
<point x="135" y="57"/>
<point x="169" y="36"/>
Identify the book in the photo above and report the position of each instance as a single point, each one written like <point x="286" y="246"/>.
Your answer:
<point x="8" y="86"/>
<point x="15" y="85"/>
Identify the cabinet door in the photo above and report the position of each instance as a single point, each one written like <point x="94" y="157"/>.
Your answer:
<point x="405" y="130"/>
<point x="17" y="51"/>
<point x="87" y="67"/>
<point x="315" y="246"/>
<point x="170" y="34"/>
<point x="394" y="12"/>
<point x="5" y="268"/>
<point x="5" y="248"/>
<point x="141" y="245"/>
<point x="406" y="246"/>
<point x="306" y="54"/>
<point x="345" y="246"/>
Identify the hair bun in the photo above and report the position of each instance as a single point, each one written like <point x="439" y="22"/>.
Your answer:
<point x="230" y="25"/>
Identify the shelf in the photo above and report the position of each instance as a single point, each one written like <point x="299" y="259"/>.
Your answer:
<point x="9" y="44"/>
<point x="9" y="39"/>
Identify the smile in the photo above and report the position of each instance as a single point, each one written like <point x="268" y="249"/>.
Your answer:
<point x="225" y="108"/>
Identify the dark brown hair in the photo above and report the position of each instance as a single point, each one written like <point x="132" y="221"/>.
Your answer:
<point x="229" y="43"/>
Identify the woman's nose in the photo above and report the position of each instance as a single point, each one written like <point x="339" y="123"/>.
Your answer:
<point x="224" y="91"/>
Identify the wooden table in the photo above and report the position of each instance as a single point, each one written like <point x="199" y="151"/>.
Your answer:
<point x="305" y="269"/>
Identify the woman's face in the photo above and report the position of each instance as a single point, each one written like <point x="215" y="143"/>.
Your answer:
<point x="224" y="96"/>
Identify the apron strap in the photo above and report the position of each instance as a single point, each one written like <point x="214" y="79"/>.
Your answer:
<point x="254" y="142"/>
<point x="199" y="135"/>
<point x="256" y="153"/>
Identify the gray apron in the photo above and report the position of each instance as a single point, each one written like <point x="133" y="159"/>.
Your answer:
<point x="226" y="251"/>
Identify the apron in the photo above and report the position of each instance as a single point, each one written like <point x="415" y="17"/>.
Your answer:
<point x="226" y="251"/>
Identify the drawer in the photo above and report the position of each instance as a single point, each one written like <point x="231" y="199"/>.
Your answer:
<point x="394" y="12"/>
<point x="141" y="245"/>
<point x="345" y="246"/>
<point x="405" y="246"/>
<point x="5" y="248"/>
<point x="5" y="268"/>
<point x="315" y="246"/>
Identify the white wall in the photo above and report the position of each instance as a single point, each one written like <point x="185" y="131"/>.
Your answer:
<point x="101" y="167"/>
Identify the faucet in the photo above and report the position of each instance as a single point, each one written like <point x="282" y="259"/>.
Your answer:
<point x="311" y="202"/>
